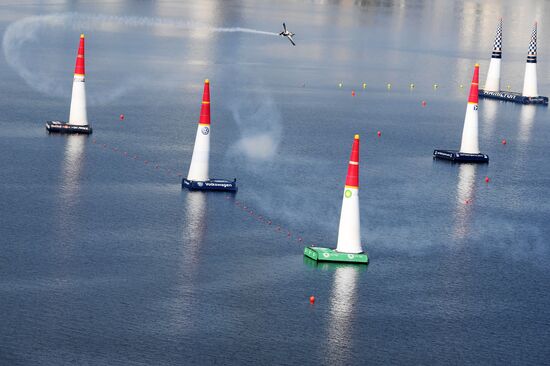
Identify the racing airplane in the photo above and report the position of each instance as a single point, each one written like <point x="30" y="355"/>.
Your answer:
<point x="287" y="34"/>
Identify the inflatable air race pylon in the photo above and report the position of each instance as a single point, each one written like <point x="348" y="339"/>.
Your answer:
<point x="198" y="178"/>
<point x="78" y="117"/>
<point x="530" y="93"/>
<point x="530" y="80"/>
<point x="469" y="148"/>
<point x="493" y="75"/>
<point x="348" y="247"/>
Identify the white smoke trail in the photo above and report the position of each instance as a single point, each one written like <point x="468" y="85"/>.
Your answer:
<point x="28" y="30"/>
<point x="260" y="126"/>
<point x="257" y="149"/>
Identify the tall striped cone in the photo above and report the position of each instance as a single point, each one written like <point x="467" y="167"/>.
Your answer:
<point x="493" y="75"/>
<point x="470" y="143"/>
<point x="349" y="231"/>
<point x="78" y="115"/>
<point x="198" y="170"/>
<point x="530" y="80"/>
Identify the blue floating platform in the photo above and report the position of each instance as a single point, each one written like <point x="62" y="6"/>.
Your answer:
<point x="63" y="127"/>
<point x="513" y="97"/>
<point x="210" y="185"/>
<point x="460" y="157"/>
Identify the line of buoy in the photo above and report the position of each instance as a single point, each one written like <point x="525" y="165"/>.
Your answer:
<point x="278" y="228"/>
<point x="147" y="162"/>
<point x="412" y="86"/>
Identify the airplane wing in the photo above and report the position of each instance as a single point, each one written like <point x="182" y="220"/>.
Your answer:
<point x="291" y="41"/>
<point x="284" y="26"/>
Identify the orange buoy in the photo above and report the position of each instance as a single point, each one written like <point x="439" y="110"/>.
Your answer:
<point x="379" y="133"/>
<point x="312" y="299"/>
<point x="504" y="141"/>
<point x="353" y="93"/>
<point x="121" y="117"/>
<point x="487" y="179"/>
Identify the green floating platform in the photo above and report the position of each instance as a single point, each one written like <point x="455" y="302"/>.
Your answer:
<point x="331" y="255"/>
<point x="331" y="266"/>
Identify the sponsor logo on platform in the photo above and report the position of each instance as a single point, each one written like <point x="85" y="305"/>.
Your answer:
<point x="500" y="95"/>
<point x="224" y="185"/>
<point x="443" y="154"/>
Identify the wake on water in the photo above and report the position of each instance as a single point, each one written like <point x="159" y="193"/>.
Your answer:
<point x="24" y="31"/>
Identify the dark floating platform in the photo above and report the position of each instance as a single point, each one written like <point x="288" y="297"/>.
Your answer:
<point x="62" y="127"/>
<point x="513" y="97"/>
<point x="460" y="157"/>
<point x="210" y="185"/>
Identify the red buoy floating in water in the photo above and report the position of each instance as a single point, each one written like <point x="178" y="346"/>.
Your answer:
<point x="379" y="133"/>
<point x="424" y="103"/>
<point x="504" y="141"/>
<point x="121" y="117"/>
<point x="312" y="299"/>
<point x="353" y="93"/>
<point x="487" y="180"/>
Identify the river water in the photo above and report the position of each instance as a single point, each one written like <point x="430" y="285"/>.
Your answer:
<point x="104" y="260"/>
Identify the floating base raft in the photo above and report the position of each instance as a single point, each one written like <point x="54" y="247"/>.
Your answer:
<point x="458" y="157"/>
<point x="63" y="127"/>
<point x="210" y="185"/>
<point x="512" y="97"/>
<point x="331" y="255"/>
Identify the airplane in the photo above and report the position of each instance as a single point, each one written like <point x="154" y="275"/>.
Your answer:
<point x="287" y="34"/>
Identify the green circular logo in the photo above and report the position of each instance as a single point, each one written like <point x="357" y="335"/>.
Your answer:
<point x="347" y="193"/>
